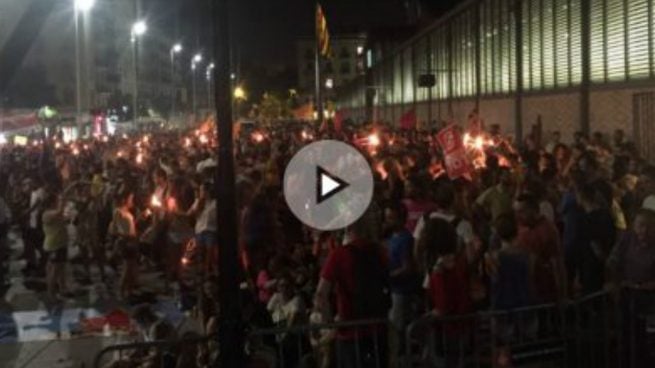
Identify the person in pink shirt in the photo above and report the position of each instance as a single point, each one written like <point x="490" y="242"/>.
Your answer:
<point x="417" y="203"/>
<point x="267" y="281"/>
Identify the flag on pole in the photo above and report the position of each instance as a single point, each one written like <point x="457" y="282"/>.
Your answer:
<point x="322" y="33"/>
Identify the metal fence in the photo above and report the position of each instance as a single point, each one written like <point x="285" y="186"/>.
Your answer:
<point x="606" y="329"/>
<point x="495" y="338"/>
<point x="356" y="344"/>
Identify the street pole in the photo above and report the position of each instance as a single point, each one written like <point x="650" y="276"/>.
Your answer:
<point x="230" y="330"/>
<point x="78" y="76"/>
<point x="173" y="89"/>
<point x="193" y="88"/>
<point x="135" y="92"/>
<point x="209" y="92"/>
<point x="319" y="98"/>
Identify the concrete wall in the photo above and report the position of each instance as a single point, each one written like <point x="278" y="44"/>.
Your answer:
<point x="499" y="111"/>
<point x="559" y="112"/>
<point x="613" y="109"/>
<point x="610" y="109"/>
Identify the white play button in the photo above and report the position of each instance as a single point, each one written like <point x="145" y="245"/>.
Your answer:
<point x="328" y="185"/>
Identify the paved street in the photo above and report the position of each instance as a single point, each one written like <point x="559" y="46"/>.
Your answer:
<point x="34" y="333"/>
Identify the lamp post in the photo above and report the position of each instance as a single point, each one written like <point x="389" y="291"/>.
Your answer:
<point x="176" y="49"/>
<point x="210" y="68"/>
<point x="194" y="65"/>
<point x="239" y="95"/>
<point x="81" y="7"/>
<point x="139" y="28"/>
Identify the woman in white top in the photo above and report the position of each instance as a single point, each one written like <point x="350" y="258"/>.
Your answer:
<point x="123" y="228"/>
<point x="204" y="211"/>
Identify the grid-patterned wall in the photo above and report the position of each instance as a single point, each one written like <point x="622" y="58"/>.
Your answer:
<point x="478" y="44"/>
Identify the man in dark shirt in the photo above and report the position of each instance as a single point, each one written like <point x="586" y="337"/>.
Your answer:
<point x="633" y="259"/>
<point x="597" y="237"/>
<point x="632" y="263"/>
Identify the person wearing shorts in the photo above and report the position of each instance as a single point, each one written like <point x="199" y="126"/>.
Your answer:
<point x="55" y="245"/>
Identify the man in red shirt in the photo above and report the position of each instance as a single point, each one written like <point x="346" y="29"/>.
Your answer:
<point x="540" y="237"/>
<point x="359" y="274"/>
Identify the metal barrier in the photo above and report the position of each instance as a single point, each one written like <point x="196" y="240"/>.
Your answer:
<point x="636" y="309"/>
<point x="356" y="344"/>
<point x="491" y="338"/>
<point x="186" y="352"/>
<point x="596" y="328"/>
<point x="600" y="330"/>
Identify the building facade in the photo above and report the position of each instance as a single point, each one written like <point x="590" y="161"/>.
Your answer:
<point x="345" y="64"/>
<point x="107" y="74"/>
<point x="574" y="65"/>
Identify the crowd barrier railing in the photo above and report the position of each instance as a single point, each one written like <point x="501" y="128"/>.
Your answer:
<point x="352" y="344"/>
<point x="605" y="329"/>
<point x="187" y="352"/>
<point x="494" y="338"/>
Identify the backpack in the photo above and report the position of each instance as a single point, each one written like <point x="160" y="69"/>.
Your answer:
<point x="371" y="297"/>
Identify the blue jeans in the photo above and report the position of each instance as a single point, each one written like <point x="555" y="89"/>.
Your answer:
<point x="207" y="239"/>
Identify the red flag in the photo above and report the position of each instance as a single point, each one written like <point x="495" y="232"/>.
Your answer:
<point x="455" y="159"/>
<point x="408" y="120"/>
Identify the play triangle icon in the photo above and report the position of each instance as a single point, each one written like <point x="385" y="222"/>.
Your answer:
<point x="327" y="185"/>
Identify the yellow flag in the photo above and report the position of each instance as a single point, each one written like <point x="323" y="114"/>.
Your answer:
<point x="322" y="33"/>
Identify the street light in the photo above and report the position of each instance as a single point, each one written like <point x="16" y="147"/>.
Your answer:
<point x="197" y="59"/>
<point x="84" y="5"/>
<point x="176" y="49"/>
<point x="239" y="93"/>
<point x="210" y="67"/>
<point x="81" y="7"/>
<point x="139" y="28"/>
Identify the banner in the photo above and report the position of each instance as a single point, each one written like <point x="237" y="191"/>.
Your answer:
<point x="455" y="158"/>
<point x="408" y="120"/>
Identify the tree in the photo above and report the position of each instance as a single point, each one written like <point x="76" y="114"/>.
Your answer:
<point x="270" y="108"/>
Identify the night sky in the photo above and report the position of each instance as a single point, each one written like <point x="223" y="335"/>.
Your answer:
<point x="266" y="30"/>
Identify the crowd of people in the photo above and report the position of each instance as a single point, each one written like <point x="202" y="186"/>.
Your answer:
<point x="538" y="222"/>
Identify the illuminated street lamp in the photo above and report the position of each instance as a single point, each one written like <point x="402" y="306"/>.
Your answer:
<point x="139" y="28"/>
<point x="239" y="93"/>
<point x="176" y="49"/>
<point x="84" y="6"/>
<point x="197" y="59"/>
<point x="81" y="7"/>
